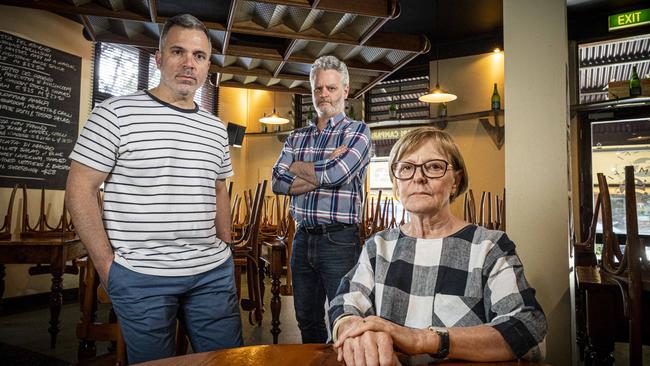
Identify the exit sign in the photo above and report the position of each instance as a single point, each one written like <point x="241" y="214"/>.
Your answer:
<point x="629" y="19"/>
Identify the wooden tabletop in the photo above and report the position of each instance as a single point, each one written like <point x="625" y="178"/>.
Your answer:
<point x="280" y="355"/>
<point x="40" y="240"/>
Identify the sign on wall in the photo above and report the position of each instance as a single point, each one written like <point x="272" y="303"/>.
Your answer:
<point x="629" y="19"/>
<point x="39" y="112"/>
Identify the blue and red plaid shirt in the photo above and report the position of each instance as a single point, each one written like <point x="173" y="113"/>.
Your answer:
<point x="340" y="180"/>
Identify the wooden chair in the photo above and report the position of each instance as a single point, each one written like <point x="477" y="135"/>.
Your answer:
<point x="5" y="230"/>
<point x="247" y="252"/>
<point x="491" y="212"/>
<point x="88" y="329"/>
<point x="584" y="255"/>
<point x="42" y="228"/>
<point x="469" y="207"/>
<point x="630" y="270"/>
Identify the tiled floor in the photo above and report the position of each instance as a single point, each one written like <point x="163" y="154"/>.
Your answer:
<point x="29" y="329"/>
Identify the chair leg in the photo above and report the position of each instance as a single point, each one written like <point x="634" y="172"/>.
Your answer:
<point x="261" y="270"/>
<point x="248" y="304"/>
<point x="257" y="294"/>
<point x="238" y="281"/>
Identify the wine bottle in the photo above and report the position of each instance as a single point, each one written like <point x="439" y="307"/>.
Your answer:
<point x="442" y="110"/>
<point x="635" y="83"/>
<point x="496" y="99"/>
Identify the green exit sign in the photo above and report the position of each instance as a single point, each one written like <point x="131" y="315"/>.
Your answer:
<point x="629" y="19"/>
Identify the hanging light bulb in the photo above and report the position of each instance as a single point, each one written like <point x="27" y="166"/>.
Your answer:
<point x="274" y="118"/>
<point x="437" y="95"/>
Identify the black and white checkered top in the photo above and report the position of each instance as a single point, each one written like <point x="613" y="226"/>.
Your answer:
<point x="470" y="278"/>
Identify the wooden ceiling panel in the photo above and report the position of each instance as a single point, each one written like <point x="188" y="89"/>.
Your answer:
<point x="265" y="44"/>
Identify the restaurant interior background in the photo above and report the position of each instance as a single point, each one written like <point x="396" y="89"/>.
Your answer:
<point x="536" y="72"/>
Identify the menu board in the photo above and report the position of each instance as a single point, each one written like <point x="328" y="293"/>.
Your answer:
<point x="39" y="112"/>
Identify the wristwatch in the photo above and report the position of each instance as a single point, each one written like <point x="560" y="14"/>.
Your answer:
<point x="443" y="348"/>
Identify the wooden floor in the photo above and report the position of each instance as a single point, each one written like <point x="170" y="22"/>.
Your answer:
<point x="28" y="330"/>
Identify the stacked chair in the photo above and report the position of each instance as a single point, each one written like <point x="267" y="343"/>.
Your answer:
<point x="246" y="250"/>
<point x="5" y="230"/>
<point x="491" y="214"/>
<point x="376" y="216"/>
<point x="629" y="269"/>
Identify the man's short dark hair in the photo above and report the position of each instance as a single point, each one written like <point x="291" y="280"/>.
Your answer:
<point x="188" y="21"/>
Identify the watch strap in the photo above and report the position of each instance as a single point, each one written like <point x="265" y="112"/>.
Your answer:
<point x="443" y="344"/>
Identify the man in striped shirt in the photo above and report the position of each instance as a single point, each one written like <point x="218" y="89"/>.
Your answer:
<point x="160" y="242"/>
<point x="323" y="166"/>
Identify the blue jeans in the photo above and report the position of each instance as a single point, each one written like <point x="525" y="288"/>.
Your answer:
<point x="146" y="307"/>
<point x="318" y="262"/>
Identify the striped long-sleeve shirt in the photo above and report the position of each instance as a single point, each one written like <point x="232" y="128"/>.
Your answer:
<point x="159" y="197"/>
<point x="340" y="180"/>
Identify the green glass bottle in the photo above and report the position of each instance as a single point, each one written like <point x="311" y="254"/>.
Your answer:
<point x="496" y="99"/>
<point x="635" y="83"/>
<point x="442" y="110"/>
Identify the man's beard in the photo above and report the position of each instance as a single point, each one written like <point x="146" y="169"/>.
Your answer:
<point x="330" y="108"/>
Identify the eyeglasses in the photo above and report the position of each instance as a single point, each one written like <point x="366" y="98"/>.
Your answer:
<point x="433" y="169"/>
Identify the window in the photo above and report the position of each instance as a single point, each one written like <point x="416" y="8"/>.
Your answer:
<point x="397" y="97"/>
<point x="612" y="140"/>
<point x="121" y="70"/>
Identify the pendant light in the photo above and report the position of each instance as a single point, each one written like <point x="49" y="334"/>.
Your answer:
<point x="437" y="95"/>
<point x="275" y="118"/>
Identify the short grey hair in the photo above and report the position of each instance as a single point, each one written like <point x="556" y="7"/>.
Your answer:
<point x="329" y="63"/>
<point x="187" y="21"/>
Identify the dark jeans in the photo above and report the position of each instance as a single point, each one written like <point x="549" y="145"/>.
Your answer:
<point x="318" y="262"/>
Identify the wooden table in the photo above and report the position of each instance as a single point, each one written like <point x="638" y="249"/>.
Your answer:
<point x="54" y="251"/>
<point x="605" y="321"/>
<point x="281" y="355"/>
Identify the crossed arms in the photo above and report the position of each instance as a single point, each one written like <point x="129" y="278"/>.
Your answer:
<point x="293" y="176"/>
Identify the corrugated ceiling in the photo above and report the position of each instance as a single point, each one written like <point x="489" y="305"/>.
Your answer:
<point x="600" y="63"/>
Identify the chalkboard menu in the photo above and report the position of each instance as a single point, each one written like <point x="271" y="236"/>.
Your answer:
<point x="39" y="112"/>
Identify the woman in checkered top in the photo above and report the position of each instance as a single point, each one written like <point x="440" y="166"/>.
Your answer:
<point x="437" y="285"/>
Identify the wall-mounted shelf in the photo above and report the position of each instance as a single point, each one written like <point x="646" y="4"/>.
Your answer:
<point x="612" y="104"/>
<point x="491" y="120"/>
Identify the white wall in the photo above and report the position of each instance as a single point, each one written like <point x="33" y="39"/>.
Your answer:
<point x="536" y="160"/>
<point x="53" y="31"/>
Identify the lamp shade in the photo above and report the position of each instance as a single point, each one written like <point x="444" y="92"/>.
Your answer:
<point x="437" y="95"/>
<point x="274" y="119"/>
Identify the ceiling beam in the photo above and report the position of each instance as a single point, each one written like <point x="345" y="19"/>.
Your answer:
<point x="369" y="8"/>
<point x="252" y="52"/>
<point x="394" y="41"/>
<point x="378" y="23"/>
<point x="231" y="16"/>
<point x="234" y="84"/>
<point x="403" y="42"/>
<point x="234" y="70"/>
<point x="153" y="11"/>
<point x="287" y="52"/>
<point x="383" y="76"/>
<point x="89" y="27"/>
<point x="92" y="9"/>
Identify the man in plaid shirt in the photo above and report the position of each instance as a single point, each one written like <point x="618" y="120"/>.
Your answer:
<point x="436" y="285"/>
<point x="322" y="166"/>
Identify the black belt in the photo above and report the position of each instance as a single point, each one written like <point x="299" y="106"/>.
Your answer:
<point x="326" y="228"/>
